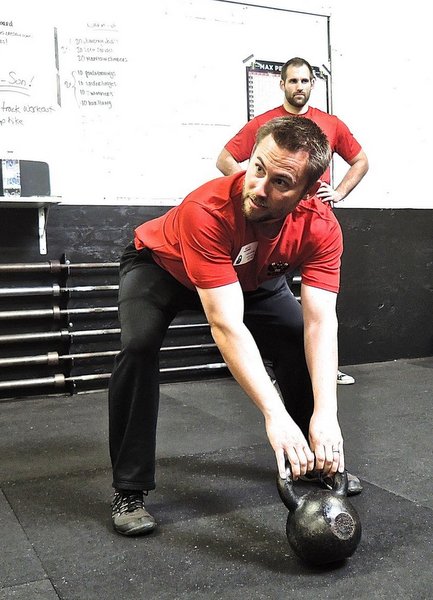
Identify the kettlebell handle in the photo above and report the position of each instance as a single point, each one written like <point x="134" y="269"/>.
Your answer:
<point x="292" y="500"/>
<point x="286" y="490"/>
<point x="340" y="484"/>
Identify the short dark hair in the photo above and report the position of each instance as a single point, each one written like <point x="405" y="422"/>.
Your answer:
<point x="300" y="133"/>
<point x="296" y="62"/>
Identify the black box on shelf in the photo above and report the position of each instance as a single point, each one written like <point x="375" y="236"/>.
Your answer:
<point x="34" y="179"/>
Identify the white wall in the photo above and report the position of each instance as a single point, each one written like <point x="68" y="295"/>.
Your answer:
<point x="382" y="72"/>
<point x="382" y="56"/>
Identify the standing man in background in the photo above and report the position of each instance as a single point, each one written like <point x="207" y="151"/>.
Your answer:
<point x="297" y="81"/>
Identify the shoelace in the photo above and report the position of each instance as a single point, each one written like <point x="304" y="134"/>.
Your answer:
<point x="123" y="503"/>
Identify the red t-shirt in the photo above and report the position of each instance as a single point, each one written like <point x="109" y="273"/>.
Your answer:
<point x="207" y="242"/>
<point x="339" y="136"/>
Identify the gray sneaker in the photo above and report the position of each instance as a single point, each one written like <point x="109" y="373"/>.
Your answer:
<point x="129" y="515"/>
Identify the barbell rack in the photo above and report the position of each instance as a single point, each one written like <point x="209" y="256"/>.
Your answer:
<point x="54" y="266"/>
<point x="56" y="335"/>
<point x="54" y="358"/>
<point x="59" y="380"/>
<point x="69" y="297"/>
<point x="54" y="290"/>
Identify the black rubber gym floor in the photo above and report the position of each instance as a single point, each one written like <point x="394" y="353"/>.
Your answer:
<point x="221" y="531"/>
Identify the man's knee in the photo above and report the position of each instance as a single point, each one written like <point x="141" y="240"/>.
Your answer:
<point x="140" y="341"/>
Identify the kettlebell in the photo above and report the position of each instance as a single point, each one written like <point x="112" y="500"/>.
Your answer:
<point x="322" y="526"/>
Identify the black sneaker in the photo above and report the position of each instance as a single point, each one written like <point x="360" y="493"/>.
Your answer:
<point x="129" y="515"/>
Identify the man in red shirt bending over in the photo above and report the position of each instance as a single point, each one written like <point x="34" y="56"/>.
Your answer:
<point x="212" y="253"/>
<point x="297" y="82"/>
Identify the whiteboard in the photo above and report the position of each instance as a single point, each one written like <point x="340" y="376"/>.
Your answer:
<point x="130" y="102"/>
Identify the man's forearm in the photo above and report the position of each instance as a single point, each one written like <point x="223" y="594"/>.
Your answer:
<point x="353" y="176"/>
<point x="321" y="351"/>
<point x="227" y="164"/>
<point x="242" y="357"/>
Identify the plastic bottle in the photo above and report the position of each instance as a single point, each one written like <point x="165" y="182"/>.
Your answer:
<point x="11" y="177"/>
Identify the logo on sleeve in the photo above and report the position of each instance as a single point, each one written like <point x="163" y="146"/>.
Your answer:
<point x="246" y="254"/>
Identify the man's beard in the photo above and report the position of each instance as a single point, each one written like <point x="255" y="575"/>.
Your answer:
<point x="298" y="103"/>
<point x="249" y="213"/>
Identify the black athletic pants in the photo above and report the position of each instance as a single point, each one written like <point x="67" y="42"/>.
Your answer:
<point x="149" y="299"/>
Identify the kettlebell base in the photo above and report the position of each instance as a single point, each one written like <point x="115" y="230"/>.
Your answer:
<point x="315" y="561"/>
